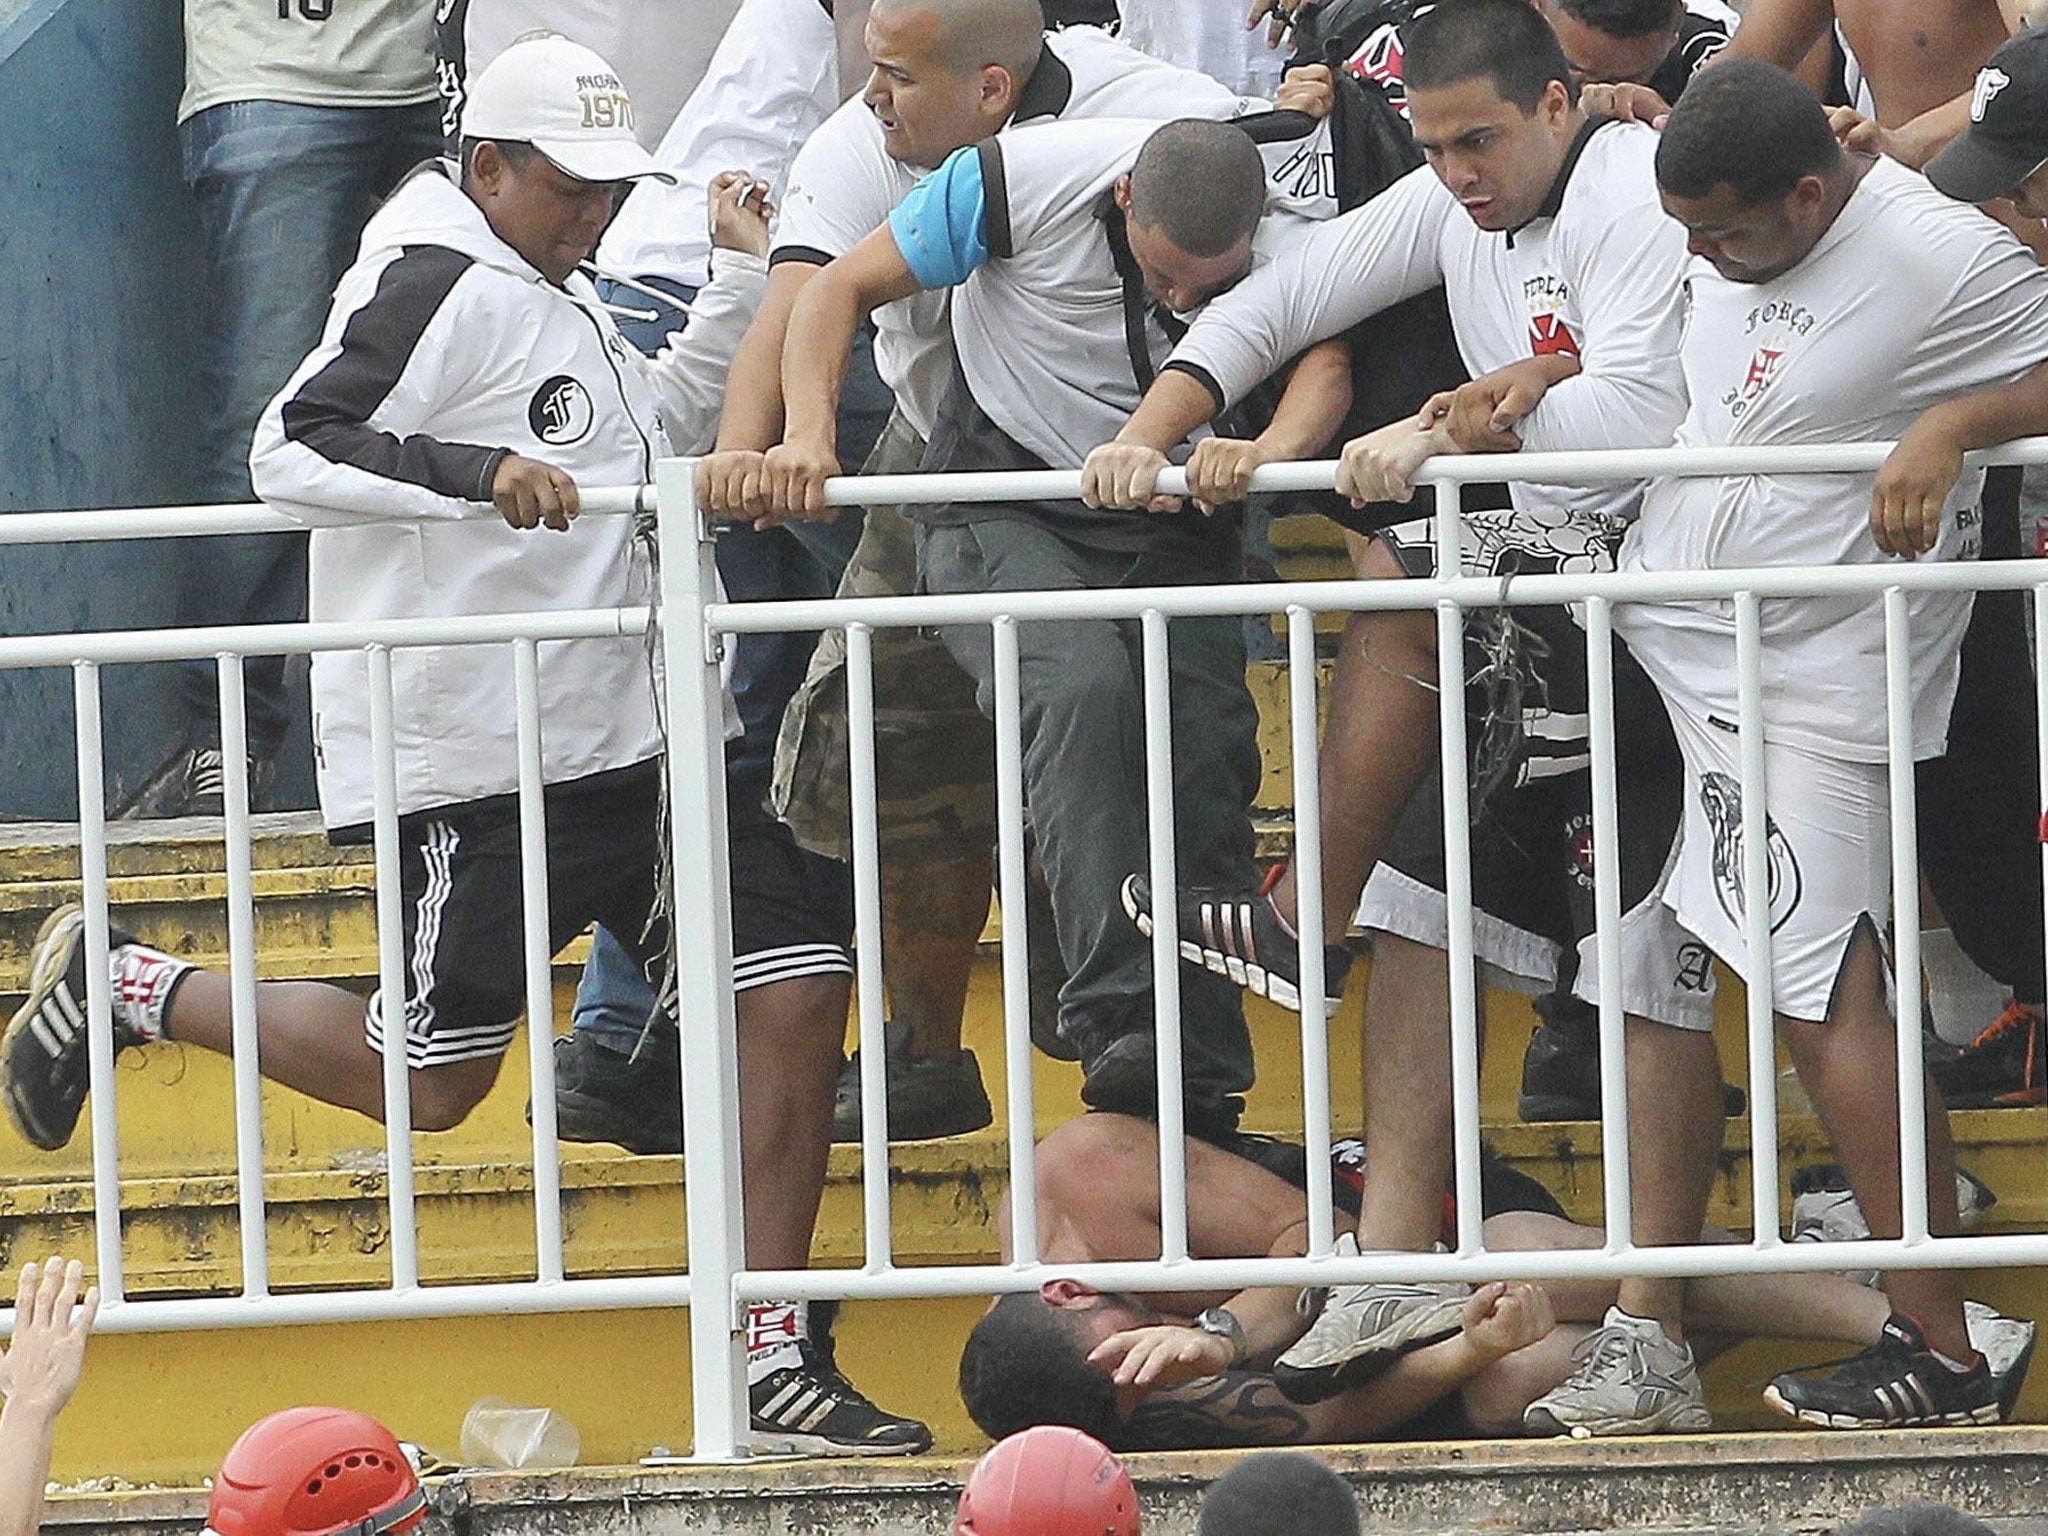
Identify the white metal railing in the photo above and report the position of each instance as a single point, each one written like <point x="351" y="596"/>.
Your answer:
<point x="694" y="629"/>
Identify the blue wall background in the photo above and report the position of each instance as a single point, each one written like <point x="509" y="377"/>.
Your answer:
<point x="101" y="294"/>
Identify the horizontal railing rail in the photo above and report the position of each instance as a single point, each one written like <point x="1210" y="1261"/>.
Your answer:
<point x="694" y="627"/>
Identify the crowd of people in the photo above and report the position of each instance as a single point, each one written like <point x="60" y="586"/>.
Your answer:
<point x="1000" y="242"/>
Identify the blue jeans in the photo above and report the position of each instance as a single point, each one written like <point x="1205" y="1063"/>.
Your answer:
<point x="614" y="999"/>
<point x="283" y="194"/>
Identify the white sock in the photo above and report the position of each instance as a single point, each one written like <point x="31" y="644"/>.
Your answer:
<point x="143" y="981"/>
<point x="1961" y="998"/>
<point x="775" y="1329"/>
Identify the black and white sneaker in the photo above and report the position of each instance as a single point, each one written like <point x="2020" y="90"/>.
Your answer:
<point x="1237" y="934"/>
<point x="809" y="1409"/>
<point x="43" y="1055"/>
<point x="1897" y="1383"/>
<point x="191" y="782"/>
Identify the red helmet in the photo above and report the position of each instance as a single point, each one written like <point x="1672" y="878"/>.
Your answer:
<point x="1048" y="1481"/>
<point x="315" y="1472"/>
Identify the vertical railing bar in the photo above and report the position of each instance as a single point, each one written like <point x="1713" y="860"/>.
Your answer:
<point x="867" y="911"/>
<point x="1614" y="1110"/>
<point x="405" y="1264"/>
<point x="2041" y="734"/>
<point x="1450" y="645"/>
<point x="1159" y="806"/>
<point x="1756" y="883"/>
<point x="99" y="997"/>
<point x="245" y="1065"/>
<point x="1898" y="680"/>
<point x="1014" y="876"/>
<point x="1309" y="920"/>
<point x="694" y="695"/>
<point x="538" y="953"/>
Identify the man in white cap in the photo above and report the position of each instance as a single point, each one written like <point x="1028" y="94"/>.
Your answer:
<point x="467" y="362"/>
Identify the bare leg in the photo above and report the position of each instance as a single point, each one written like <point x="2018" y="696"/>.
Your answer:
<point x="1379" y="740"/>
<point x="1849" y="1068"/>
<point x="1675" y="1126"/>
<point x="789" y="1038"/>
<point x="1407" y="1051"/>
<point x="932" y="917"/>
<point x="310" y="1037"/>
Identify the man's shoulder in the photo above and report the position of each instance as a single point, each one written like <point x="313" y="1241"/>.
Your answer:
<point x="1615" y="177"/>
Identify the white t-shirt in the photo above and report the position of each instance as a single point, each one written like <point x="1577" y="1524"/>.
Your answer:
<point x="658" y="47"/>
<point x="314" y="53"/>
<point x="1209" y="35"/>
<point x="773" y="80"/>
<point x="1909" y="299"/>
<point x="1595" y="275"/>
<point x="1038" y="316"/>
<point x="844" y="184"/>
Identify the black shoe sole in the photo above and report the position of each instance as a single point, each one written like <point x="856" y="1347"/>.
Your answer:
<point x="45" y="977"/>
<point x="598" y="1122"/>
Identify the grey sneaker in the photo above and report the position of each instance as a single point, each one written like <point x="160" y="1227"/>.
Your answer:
<point x="2007" y="1345"/>
<point x="1363" y="1329"/>
<point x="1631" y="1379"/>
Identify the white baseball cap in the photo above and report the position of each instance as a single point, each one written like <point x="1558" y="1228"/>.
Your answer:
<point x="565" y="101"/>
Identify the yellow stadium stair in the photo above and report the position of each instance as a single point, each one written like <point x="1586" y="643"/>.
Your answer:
<point x="178" y="1399"/>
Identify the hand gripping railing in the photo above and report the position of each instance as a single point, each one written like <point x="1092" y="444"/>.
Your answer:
<point x="695" y="628"/>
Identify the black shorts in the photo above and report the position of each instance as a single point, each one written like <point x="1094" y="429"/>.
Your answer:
<point x="459" y="882"/>
<point x="1532" y="830"/>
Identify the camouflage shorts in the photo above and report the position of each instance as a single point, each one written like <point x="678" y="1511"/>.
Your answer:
<point x="934" y="749"/>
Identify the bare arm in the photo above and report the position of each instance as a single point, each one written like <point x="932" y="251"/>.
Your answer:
<point x="1780" y="32"/>
<point x="822" y="324"/>
<point x="1914" y="482"/>
<point x="1122" y="472"/>
<point x="731" y="482"/>
<point x="1311" y="409"/>
<point x="38" y="1376"/>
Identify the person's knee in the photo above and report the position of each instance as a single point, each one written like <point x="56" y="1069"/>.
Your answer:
<point x="794" y="1019"/>
<point x="442" y="1097"/>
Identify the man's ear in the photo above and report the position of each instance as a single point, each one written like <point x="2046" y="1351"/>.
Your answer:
<point x="999" y="90"/>
<point x="1066" y="1293"/>
<point x="486" y="166"/>
<point x="1122" y="193"/>
<point x="1557" y="101"/>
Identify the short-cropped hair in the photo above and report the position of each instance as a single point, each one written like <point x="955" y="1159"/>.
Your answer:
<point x="1505" y="41"/>
<point x="1279" y="1493"/>
<point x="1026" y="1363"/>
<point x="1916" y="1519"/>
<point x="1624" y="18"/>
<point x="1748" y="126"/>
<point x="1200" y="183"/>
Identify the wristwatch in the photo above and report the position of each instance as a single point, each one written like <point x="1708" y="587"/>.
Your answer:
<point x="1222" y="1322"/>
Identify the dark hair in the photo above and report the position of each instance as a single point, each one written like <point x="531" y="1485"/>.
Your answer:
<point x="1025" y="1363"/>
<point x="1504" y="40"/>
<point x="1747" y="126"/>
<point x="1201" y="184"/>
<point x="1917" y="1519"/>
<point x="516" y="154"/>
<point x="1279" y="1493"/>
<point x="1625" y="18"/>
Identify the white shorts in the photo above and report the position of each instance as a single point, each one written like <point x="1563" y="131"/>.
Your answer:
<point x="1829" y="832"/>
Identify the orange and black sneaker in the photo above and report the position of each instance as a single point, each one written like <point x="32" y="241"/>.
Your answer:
<point x="2003" y="1068"/>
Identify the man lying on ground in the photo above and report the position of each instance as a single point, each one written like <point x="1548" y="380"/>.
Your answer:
<point x="1183" y="1370"/>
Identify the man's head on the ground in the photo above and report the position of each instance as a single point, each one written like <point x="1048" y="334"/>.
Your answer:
<point x="1750" y="167"/>
<point x="947" y="73"/>
<point x="1191" y="205"/>
<point x="1279" y="1493"/>
<point x="548" y="148"/>
<point x="1614" y="42"/>
<point x="1491" y="100"/>
<point x="1049" y="1480"/>
<point x="1026" y="1361"/>
<point x="315" y="1472"/>
<point x="2004" y="152"/>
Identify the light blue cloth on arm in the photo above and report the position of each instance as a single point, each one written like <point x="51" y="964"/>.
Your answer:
<point x="941" y="226"/>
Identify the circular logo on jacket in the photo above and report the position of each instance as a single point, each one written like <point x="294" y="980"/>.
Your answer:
<point x="561" y="412"/>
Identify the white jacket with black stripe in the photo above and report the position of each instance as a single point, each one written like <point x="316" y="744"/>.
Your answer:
<point x="445" y="352"/>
